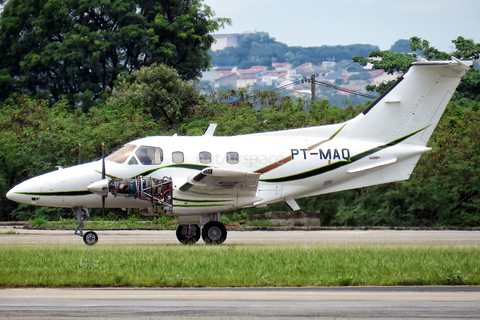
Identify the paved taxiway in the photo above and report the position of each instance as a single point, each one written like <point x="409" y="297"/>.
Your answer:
<point x="304" y="238"/>
<point x="243" y="303"/>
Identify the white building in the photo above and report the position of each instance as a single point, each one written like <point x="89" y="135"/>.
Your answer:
<point x="227" y="40"/>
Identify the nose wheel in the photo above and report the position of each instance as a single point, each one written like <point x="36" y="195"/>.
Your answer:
<point x="90" y="238"/>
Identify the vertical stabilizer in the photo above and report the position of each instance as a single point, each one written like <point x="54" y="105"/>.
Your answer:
<point x="415" y="103"/>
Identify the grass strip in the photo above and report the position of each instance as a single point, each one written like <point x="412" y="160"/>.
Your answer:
<point x="133" y="223"/>
<point x="235" y="265"/>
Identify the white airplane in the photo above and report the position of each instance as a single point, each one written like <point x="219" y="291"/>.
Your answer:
<point x="197" y="177"/>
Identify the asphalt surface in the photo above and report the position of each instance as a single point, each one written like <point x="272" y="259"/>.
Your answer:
<point x="303" y="238"/>
<point x="243" y="303"/>
<point x="459" y="302"/>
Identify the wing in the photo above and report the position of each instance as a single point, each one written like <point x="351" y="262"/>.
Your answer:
<point x="211" y="181"/>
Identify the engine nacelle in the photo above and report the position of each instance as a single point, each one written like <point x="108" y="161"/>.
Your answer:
<point x="156" y="191"/>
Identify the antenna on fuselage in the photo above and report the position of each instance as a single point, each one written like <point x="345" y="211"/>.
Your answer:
<point x="210" y="130"/>
<point x="79" y="153"/>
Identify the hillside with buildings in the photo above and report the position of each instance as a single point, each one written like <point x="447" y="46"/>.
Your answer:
<point x="263" y="63"/>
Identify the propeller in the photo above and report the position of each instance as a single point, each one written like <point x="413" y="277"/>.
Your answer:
<point x="101" y="187"/>
<point x="103" y="178"/>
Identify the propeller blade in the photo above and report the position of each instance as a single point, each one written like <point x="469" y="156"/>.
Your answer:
<point x="103" y="160"/>
<point x="103" y="178"/>
<point x="103" y="208"/>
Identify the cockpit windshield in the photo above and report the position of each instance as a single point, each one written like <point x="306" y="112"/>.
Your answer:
<point x="121" y="154"/>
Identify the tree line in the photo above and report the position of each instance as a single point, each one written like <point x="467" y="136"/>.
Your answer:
<point x="443" y="190"/>
<point x="261" y="49"/>
<point x="42" y="126"/>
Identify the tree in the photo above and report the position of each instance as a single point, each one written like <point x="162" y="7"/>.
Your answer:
<point x="37" y="136"/>
<point x="160" y="91"/>
<point x="76" y="49"/>
<point x="391" y="62"/>
<point x="401" y="46"/>
<point x="387" y="60"/>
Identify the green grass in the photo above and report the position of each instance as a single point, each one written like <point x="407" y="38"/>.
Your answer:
<point x="235" y="265"/>
<point x="9" y="232"/>
<point x="132" y="223"/>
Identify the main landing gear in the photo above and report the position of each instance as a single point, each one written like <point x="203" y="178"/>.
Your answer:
<point x="213" y="232"/>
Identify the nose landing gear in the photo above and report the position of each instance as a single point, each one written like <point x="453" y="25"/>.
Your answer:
<point x="90" y="237"/>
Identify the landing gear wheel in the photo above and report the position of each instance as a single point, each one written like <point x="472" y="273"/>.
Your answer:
<point x="90" y="238"/>
<point x="214" y="232"/>
<point x="188" y="233"/>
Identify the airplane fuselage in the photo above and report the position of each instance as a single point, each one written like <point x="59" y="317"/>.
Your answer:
<point x="290" y="164"/>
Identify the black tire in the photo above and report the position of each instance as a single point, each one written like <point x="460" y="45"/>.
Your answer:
<point x="214" y="232"/>
<point x="90" y="238"/>
<point x="182" y="236"/>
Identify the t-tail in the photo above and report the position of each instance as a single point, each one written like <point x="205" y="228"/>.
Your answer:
<point x="413" y="106"/>
<point x="398" y="125"/>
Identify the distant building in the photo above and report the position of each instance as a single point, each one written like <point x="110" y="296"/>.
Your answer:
<point x="328" y="65"/>
<point x="273" y="79"/>
<point x="335" y="75"/>
<point x="226" y="79"/>
<point x="292" y="75"/>
<point x="227" y="40"/>
<point x="254" y="70"/>
<point x="384" y="77"/>
<point x="245" y="81"/>
<point x="305" y="66"/>
<point x="282" y="66"/>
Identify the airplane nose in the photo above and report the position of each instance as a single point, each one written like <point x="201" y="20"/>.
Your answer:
<point x="15" y="195"/>
<point x="11" y="195"/>
<point x="29" y="191"/>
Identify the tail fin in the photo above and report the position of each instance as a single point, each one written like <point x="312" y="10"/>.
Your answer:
<point x="415" y="103"/>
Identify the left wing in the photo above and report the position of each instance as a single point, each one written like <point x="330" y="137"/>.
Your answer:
<point x="230" y="183"/>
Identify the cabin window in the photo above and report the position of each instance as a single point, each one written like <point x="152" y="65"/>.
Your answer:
<point x="232" y="157"/>
<point x="121" y="154"/>
<point x="177" y="157"/>
<point x="205" y="157"/>
<point x="149" y="155"/>
<point x="133" y="161"/>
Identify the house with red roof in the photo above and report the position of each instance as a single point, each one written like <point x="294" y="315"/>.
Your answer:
<point x="375" y="73"/>
<point x="305" y="66"/>
<point x="255" y="70"/>
<point x="282" y="66"/>
<point x="226" y="78"/>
